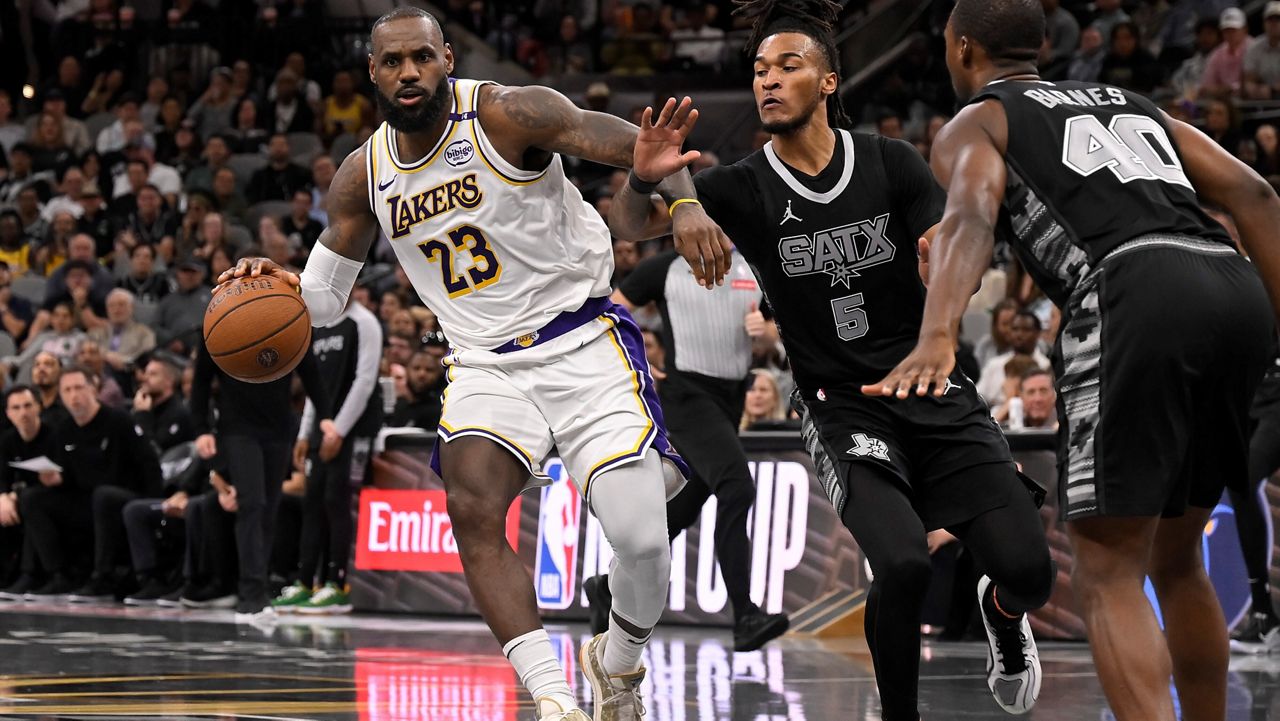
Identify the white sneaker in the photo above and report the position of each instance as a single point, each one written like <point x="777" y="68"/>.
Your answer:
<point x="266" y="616"/>
<point x="616" y="697"/>
<point x="1013" y="663"/>
<point x="549" y="710"/>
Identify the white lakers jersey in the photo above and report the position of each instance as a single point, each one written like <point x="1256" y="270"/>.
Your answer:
<point x="495" y="251"/>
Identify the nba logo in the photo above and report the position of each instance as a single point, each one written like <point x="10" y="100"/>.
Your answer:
<point x="555" y="567"/>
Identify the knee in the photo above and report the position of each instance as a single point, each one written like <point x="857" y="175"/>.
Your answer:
<point x="135" y="512"/>
<point x="640" y="542"/>
<point x="474" y="513"/>
<point x="1173" y="568"/>
<point x="905" y="572"/>
<point x="1030" y="578"/>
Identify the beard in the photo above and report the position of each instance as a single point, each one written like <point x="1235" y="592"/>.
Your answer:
<point x="415" y="119"/>
<point x="791" y="125"/>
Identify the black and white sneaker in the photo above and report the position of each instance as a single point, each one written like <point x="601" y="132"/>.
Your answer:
<point x="1259" y="634"/>
<point x="54" y="590"/>
<point x="96" y="590"/>
<point x="210" y="595"/>
<point x="151" y="593"/>
<point x="17" y="590"/>
<point x="1013" y="663"/>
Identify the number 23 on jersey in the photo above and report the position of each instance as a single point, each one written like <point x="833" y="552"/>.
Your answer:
<point x="468" y="243"/>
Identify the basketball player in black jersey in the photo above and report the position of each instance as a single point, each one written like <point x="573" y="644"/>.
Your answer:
<point x="1165" y="332"/>
<point x="829" y="222"/>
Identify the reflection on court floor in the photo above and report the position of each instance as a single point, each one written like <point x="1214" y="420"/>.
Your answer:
<point x="111" y="662"/>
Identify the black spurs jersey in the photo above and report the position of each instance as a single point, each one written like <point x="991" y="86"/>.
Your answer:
<point x="1090" y="167"/>
<point x="835" y="253"/>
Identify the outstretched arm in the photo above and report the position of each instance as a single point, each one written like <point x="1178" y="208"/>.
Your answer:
<point x="968" y="160"/>
<point x="539" y="117"/>
<point x="1223" y="180"/>
<point x="337" y="258"/>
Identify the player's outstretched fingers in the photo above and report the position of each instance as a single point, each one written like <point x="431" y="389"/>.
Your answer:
<point x="681" y="116"/>
<point x="668" y="110"/>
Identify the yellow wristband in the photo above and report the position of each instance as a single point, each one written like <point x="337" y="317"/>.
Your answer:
<point x="671" y="209"/>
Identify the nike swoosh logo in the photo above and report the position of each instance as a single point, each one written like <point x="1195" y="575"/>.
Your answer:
<point x="383" y="186"/>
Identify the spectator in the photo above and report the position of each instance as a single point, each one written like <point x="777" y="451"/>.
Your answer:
<point x="89" y="357"/>
<point x="1109" y="14"/>
<point x="1222" y="123"/>
<point x="1086" y="62"/>
<point x="112" y="138"/>
<point x="103" y="454"/>
<point x="28" y="438"/>
<point x="1024" y="339"/>
<point x="281" y="178"/>
<point x="1063" y="33"/>
<point x="217" y="151"/>
<point x="597" y="96"/>
<point x="889" y="125"/>
<point x="1150" y="17"/>
<point x="403" y="324"/>
<point x="212" y="112"/>
<point x="570" y="54"/>
<point x="158" y="409"/>
<point x="400" y="347"/>
<point x="1039" y="399"/>
<point x="70" y="188"/>
<point x="151" y="223"/>
<point x="164" y="177"/>
<point x="308" y="89"/>
<point x="276" y="246"/>
<point x="1128" y="64"/>
<point x="1186" y="79"/>
<point x="95" y="219"/>
<point x="220" y="262"/>
<point x="31" y="211"/>
<point x="107" y="86"/>
<point x="625" y="259"/>
<point x="148" y="520"/>
<point x="1224" y="71"/>
<point x="322" y="171"/>
<point x="122" y="338"/>
<point x="247" y="136"/>
<point x="186" y="153"/>
<point x="22" y="174"/>
<point x="62" y="340"/>
<point x="999" y="339"/>
<point x="45" y="373"/>
<point x="181" y="313"/>
<point x="49" y="149"/>
<point x="152" y="108"/>
<point x="15" y="244"/>
<point x="243" y="85"/>
<point x="142" y="281"/>
<point x="124" y="197"/>
<point x="209" y="569"/>
<point x="11" y="133"/>
<point x="88" y="307"/>
<point x="16" y="312"/>
<point x="213" y="234"/>
<point x="764" y="401"/>
<point x="697" y="41"/>
<point x="80" y="247"/>
<point x="1011" y="389"/>
<point x="426" y="382"/>
<point x="1262" y="59"/>
<point x="345" y="111"/>
<point x="287" y="111"/>
<point x="299" y="226"/>
<point x="638" y="49"/>
<point x="1268" y="162"/>
<point x="229" y="200"/>
<point x="170" y="120"/>
<point x="75" y="134"/>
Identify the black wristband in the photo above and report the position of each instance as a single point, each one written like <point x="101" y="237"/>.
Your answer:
<point x="639" y="185"/>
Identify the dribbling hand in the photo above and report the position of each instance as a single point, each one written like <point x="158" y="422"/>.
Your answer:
<point x="254" y="267"/>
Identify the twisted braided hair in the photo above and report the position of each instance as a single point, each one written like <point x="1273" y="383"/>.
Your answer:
<point x="814" y="18"/>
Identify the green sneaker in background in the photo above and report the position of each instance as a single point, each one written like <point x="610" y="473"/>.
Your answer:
<point x="291" y="597"/>
<point x="328" y="600"/>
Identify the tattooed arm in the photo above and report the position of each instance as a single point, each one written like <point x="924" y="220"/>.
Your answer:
<point x="518" y="119"/>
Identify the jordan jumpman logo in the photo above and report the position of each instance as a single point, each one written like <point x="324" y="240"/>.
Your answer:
<point x="788" y="215"/>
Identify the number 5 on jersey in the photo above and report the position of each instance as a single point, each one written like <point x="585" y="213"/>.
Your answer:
<point x="484" y="270"/>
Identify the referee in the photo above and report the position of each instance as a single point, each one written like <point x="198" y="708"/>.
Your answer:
<point x="708" y="337"/>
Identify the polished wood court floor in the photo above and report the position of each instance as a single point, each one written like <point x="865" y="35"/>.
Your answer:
<point x="94" y="662"/>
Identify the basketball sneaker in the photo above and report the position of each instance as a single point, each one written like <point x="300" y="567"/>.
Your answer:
<point x="601" y="602"/>
<point x="616" y="697"/>
<point x="291" y="597"/>
<point x="549" y="710"/>
<point x="1258" y="635"/>
<point x="328" y="600"/>
<point x="754" y="628"/>
<point x="1013" y="663"/>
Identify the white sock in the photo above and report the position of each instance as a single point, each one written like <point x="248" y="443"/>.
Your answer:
<point x="621" y="649"/>
<point x="540" y="671"/>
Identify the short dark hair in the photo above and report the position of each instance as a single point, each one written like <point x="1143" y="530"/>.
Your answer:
<point x="403" y="12"/>
<point x="89" y="375"/>
<point x="1035" y="319"/>
<point x="22" y="388"/>
<point x="1011" y="31"/>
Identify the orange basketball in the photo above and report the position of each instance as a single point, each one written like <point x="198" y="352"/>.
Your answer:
<point x="257" y="329"/>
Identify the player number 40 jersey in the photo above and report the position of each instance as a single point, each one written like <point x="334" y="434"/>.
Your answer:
<point x="495" y="251"/>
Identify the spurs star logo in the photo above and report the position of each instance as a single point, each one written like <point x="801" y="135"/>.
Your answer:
<point x="865" y="446"/>
<point x="788" y="215"/>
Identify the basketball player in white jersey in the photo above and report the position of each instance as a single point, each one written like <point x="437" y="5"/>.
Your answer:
<point x="466" y="181"/>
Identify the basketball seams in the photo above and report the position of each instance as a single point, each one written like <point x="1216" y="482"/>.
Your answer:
<point x="209" y="332"/>
<point x="262" y="339"/>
